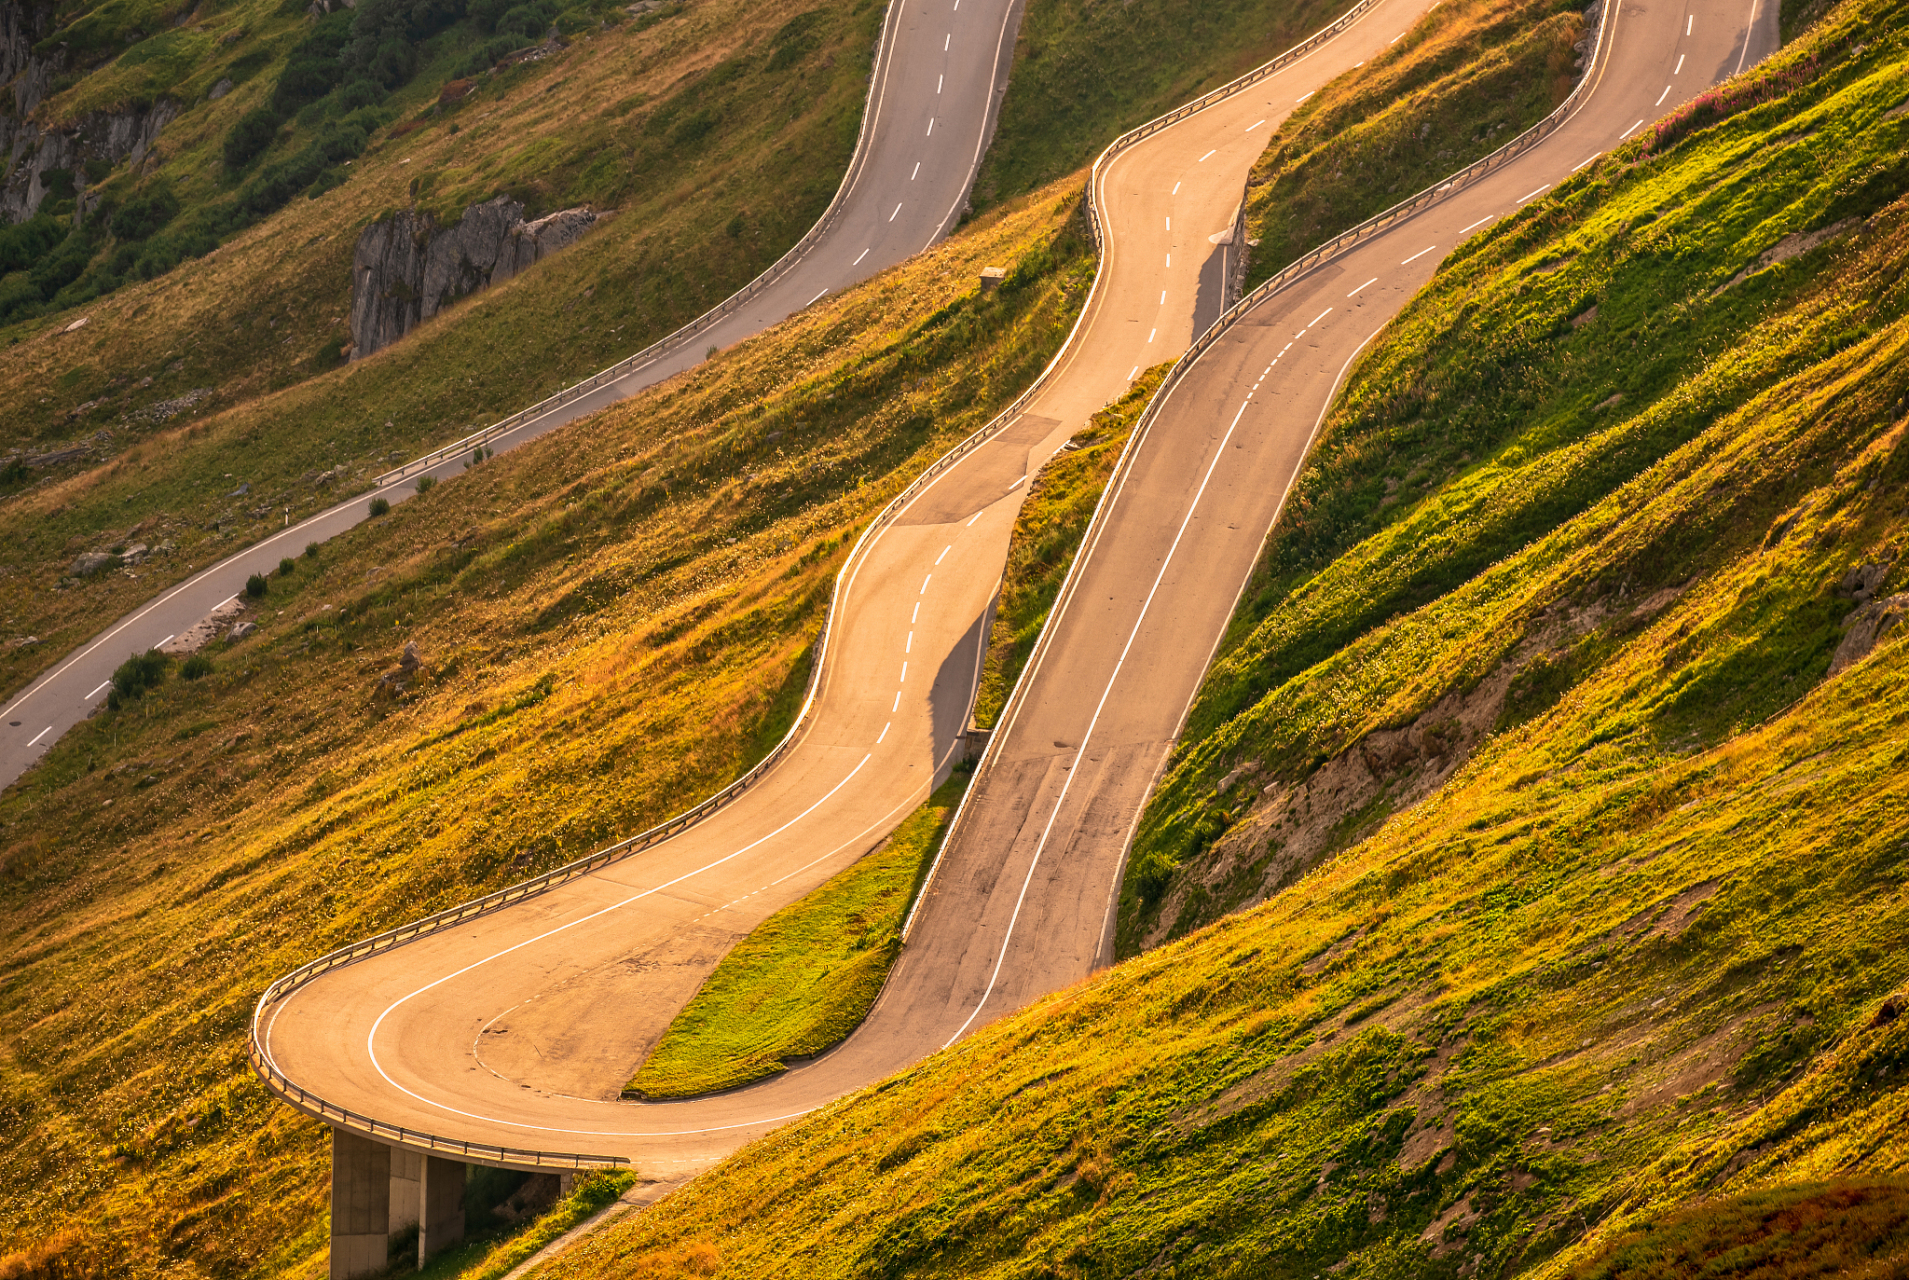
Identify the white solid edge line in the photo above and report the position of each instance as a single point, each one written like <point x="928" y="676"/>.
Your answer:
<point x="371" y="1037"/>
<point x="1060" y="801"/>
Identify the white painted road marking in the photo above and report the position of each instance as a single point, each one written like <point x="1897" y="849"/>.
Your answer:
<point x="1627" y="133"/>
<point x="1689" y="22"/>
<point x="1535" y="194"/>
<point x="1297" y="101"/>
<point x="817" y="298"/>
<point x="858" y="260"/>
<point x="1150" y="334"/>
<point x="1316" y="319"/>
<point x="1661" y="97"/>
<point x="104" y="684"/>
<point x="916" y="173"/>
<point x="42" y="733"/>
<point x="884" y="732"/>
<point x="1481" y="222"/>
<point x="1362" y="288"/>
<point x="1587" y="160"/>
<point x="891" y="217"/>
<point x="925" y="582"/>
<point x="1251" y="127"/>
<point x="1420" y="254"/>
<point x="1680" y="65"/>
<point x="950" y="547"/>
<point x="1208" y="156"/>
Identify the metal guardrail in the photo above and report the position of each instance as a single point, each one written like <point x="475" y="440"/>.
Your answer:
<point x="312" y="1104"/>
<point x="1266" y="289"/>
<point x="470" y="1152"/>
<point x="680" y="337"/>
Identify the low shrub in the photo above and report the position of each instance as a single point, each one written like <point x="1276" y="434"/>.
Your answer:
<point x="426" y="483"/>
<point x="196" y="666"/>
<point x="379" y="506"/>
<point x="140" y="672"/>
<point x="257" y="585"/>
<point x="285" y="566"/>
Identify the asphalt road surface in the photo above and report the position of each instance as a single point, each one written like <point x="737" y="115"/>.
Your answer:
<point x="519" y="1027"/>
<point x="933" y="102"/>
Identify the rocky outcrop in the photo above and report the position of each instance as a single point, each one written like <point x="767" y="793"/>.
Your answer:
<point x="406" y="269"/>
<point x="34" y="150"/>
<point x="1867" y="625"/>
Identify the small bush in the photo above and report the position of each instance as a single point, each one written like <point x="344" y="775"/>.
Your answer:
<point x="311" y="551"/>
<point x="257" y="585"/>
<point x="196" y="666"/>
<point x="285" y="566"/>
<point x="253" y="133"/>
<point x="426" y="483"/>
<point x="379" y="506"/>
<point x="140" y="672"/>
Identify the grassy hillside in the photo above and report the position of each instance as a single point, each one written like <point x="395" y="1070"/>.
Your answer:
<point x="807" y="975"/>
<point x="613" y="621"/>
<point x="251" y="328"/>
<point x="1047" y="533"/>
<point x="1451" y="563"/>
<point x="1464" y="81"/>
<point x="1085" y="72"/>
<point x="1644" y="946"/>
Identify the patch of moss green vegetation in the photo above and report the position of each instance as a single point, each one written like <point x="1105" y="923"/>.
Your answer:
<point x="496" y="1243"/>
<point x="1645" y="945"/>
<point x="1464" y="81"/>
<point x="200" y="406"/>
<point x="1087" y="71"/>
<point x="806" y="977"/>
<point x="1047" y="533"/>
<point x="1494" y="514"/>
<point x="1806" y="1230"/>
<point x="607" y="619"/>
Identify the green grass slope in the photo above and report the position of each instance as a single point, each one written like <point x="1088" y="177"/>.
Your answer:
<point x="1085" y="72"/>
<point x="1474" y="535"/>
<point x="613" y="622"/>
<point x="1047" y="532"/>
<point x="254" y="329"/>
<point x="1643" y="949"/>
<point x="807" y="975"/>
<point x="1464" y="81"/>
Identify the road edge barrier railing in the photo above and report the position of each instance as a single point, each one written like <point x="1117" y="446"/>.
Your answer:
<point x="678" y="338"/>
<point x="277" y="1082"/>
<point x="418" y="1140"/>
<point x="1304" y="265"/>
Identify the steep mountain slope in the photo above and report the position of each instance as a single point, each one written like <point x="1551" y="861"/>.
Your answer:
<point x="1646" y="941"/>
<point x="1442" y="570"/>
<point x="612" y="622"/>
<point x="134" y="422"/>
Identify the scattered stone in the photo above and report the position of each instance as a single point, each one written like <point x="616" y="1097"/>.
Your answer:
<point x="135" y="553"/>
<point x="1611" y="401"/>
<point x="77" y="325"/>
<point x="240" y="630"/>
<point x="398" y="680"/>
<point x="88" y="563"/>
<point x="218" y="91"/>
<point x="167" y="409"/>
<point x="1860" y="583"/>
<point x="1865" y="628"/>
<point x="241" y="491"/>
<point x="206" y="630"/>
<point x="23" y="642"/>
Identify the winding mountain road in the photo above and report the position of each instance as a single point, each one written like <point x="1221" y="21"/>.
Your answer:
<point x="516" y="1028"/>
<point x="519" y="1027"/>
<point x="941" y="69"/>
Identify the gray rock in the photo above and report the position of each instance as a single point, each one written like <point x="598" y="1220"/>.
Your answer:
<point x="88" y="563"/>
<point x="406" y="269"/>
<point x="1865" y="628"/>
<point x="240" y="630"/>
<point x="1861" y="581"/>
<point x="135" y="553"/>
<point x="218" y="91"/>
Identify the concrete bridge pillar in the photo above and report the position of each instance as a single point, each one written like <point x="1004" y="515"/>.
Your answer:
<point x="379" y="1191"/>
<point x="440" y="1204"/>
<point x="360" y="1205"/>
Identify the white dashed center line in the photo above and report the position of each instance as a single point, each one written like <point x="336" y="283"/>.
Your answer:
<point x="1251" y="127"/>
<point x="1690" y="22"/>
<point x="859" y="257"/>
<point x="925" y="582"/>
<point x="1420" y="254"/>
<point x="104" y="684"/>
<point x="1208" y="156"/>
<point x="1297" y="101"/>
<point x="1628" y="132"/>
<point x="916" y="173"/>
<point x="891" y="217"/>
<point x="1680" y="65"/>
<point x="42" y="733"/>
<point x="884" y="732"/>
<point x="1150" y="334"/>
<point x="1321" y="316"/>
<point x="1535" y="194"/>
<point x="945" y="550"/>
<point x="1661" y="97"/>
<point x="1481" y="222"/>
<point x="1362" y="288"/>
<point x="916" y="615"/>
